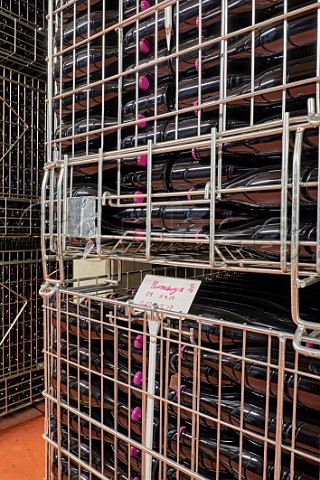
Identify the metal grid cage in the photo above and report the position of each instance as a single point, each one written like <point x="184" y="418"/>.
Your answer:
<point x="138" y="392"/>
<point x="129" y="107"/>
<point x="19" y="391"/>
<point x="21" y="338"/>
<point x="22" y="137"/>
<point x="23" y="43"/>
<point x="30" y="11"/>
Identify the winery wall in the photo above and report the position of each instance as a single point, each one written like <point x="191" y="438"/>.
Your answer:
<point x="182" y="143"/>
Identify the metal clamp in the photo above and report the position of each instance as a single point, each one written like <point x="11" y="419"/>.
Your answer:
<point x="47" y="290"/>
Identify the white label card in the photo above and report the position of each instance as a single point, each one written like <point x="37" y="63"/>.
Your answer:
<point x="169" y="293"/>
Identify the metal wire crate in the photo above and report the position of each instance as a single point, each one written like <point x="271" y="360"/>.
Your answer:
<point x="21" y="343"/>
<point x="23" y="126"/>
<point x="75" y="139"/>
<point x="144" y="393"/>
<point x="31" y="11"/>
<point x="19" y="391"/>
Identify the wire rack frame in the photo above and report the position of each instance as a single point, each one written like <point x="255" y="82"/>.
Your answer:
<point x="30" y="11"/>
<point x="21" y="342"/>
<point x="23" y="125"/>
<point x="203" y="249"/>
<point x="159" y="443"/>
<point x="23" y="45"/>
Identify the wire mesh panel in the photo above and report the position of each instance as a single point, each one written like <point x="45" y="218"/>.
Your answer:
<point x="31" y="11"/>
<point x="23" y="36"/>
<point x="23" y="125"/>
<point x="21" y="325"/>
<point x="19" y="391"/>
<point x="179" y="121"/>
<point x="134" y="392"/>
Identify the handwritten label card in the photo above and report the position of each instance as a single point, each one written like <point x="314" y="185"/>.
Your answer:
<point x="169" y="293"/>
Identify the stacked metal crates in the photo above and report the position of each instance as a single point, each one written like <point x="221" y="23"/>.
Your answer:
<point x="136" y="391"/>
<point x="22" y="150"/>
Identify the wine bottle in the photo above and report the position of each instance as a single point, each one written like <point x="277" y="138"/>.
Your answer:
<point x="164" y="69"/>
<point x="182" y="174"/>
<point x="256" y="374"/>
<point x="269" y="231"/>
<point x="171" y="218"/>
<point x="85" y="62"/>
<point x="87" y="25"/>
<point x="187" y="127"/>
<point x="94" y="96"/>
<point x="85" y="392"/>
<point x="298" y="70"/>
<point x="230" y="453"/>
<point x="270" y="176"/>
<point x="205" y="374"/>
<point x="78" y="424"/>
<point x="98" y="456"/>
<point x="207" y="446"/>
<point x="254" y="411"/>
<point x="264" y="9"/>
<point x="268" y="41"/>
<point x="69" y="470"/>
<point x="271" y="145"/>
<point x="130" y="7"/>
<point x="188" y="94"/>
<point x="79" y="6"/>
<point x="75" y="319"/>
<point x="147" y="28"/>
<point x="92" y="360"/>
<point x="134" y="458"/>
<point x="85" y="128"/>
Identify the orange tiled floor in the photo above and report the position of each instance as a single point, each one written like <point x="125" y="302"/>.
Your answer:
<point x="22" y="451"/>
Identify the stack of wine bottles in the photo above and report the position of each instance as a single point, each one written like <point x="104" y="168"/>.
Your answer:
<point x="23" y="38"/>
<point x="231" y="365"/>
<point x="153" y="84"/>
<point x="265" y="74"/>
<point x="21" y="353"/>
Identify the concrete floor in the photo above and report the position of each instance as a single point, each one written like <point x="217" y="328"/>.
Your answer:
<point x="22" y="446"/>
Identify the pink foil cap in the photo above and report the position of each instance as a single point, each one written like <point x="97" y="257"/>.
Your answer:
<point x="142" y="160"/>
<point x="182" y="350"/>
<point x="139" y="234"/>
<point x="196" y="64"/>
<point x="138" y="342"/>
<point x="144" y="45"/>
<point x="138" y="199"/>
<point x="193" y="154"/>
<point x="197" y="22"/>
<point x="144" y="83"/>
<point x="136" y="414"/>
<point x="195" y="103"/>
<point x="137" y="379"/>
<point x="136" y="478"/>
<point x="181" y="429"/>
<point x="197" y="234"/>
<point x="142" y="124"/>
<point x="177" y="391"/>
<point x="309" y="345"/>
<point x="144" y="5"/>
<point x="134" y="451"/>
<point x="189" y="196"/>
